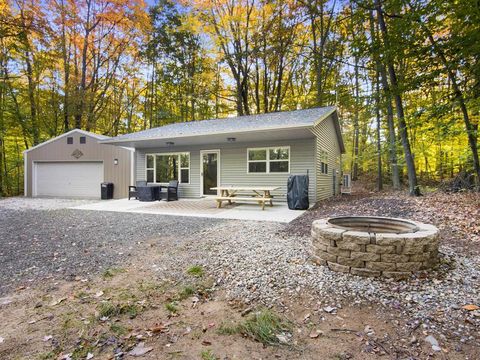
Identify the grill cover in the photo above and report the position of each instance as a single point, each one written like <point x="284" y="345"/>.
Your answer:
<point x="297" y="192"/>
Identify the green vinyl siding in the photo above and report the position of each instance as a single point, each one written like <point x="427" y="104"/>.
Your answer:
<point x="234" y="165"/>
<point x="327" y="141"/>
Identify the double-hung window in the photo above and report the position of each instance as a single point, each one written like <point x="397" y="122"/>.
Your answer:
<point x="268" y="160"/>
<point x="162" y="168"/>
<point x="323" y="157"/>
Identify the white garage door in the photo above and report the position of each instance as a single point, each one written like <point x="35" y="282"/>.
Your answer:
<point x="68" y="179"/>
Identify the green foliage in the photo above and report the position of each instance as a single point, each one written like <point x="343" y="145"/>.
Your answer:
<point x="171" y="307"/>
<point x="229" y="329"/>
<point x="111" y="272"/>
<point x="195" y="270"/>
<point x="109" y="309"/>
<point x="82" y="350"/>
<point x="118" y="329"/>
<point x="183" y="61"/>
<point x="186" y="292"/>
<point x="263" y="326"/>
<point x="208" y="355"/>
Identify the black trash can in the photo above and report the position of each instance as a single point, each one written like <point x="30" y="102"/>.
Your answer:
<point x="107" y="190"/>
<point x="297" y="192"/>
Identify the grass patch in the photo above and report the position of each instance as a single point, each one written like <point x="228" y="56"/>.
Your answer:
<point x="171" y="307"/>
<point x="111" y="272"/>
<point x="48" y="356"/>
<point x="132" y="310"/>
<point x="151" y="289"/>
<point x="195" y="270"/>
<point x="108" y="309"/>
<point x="262" y="326"/>
<point x="70" y="322"/>
<point x="228" y="329"/>
<point x="82" y="351"/>
<point x="186" y="292"/>
<point x="126" y="295"/>
<point x="208" y="355"/>
<point x="118" y="329"/>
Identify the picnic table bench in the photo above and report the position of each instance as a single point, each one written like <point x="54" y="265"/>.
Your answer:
<point x="260" y="194"/>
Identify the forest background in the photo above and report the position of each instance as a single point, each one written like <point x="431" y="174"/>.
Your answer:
<point x="404" y="74"/>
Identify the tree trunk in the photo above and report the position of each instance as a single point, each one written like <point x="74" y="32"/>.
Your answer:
<point x="83" y="70"/>
<point x="402" y="125"/>
<point x="66" y="73"/>
<point x="356" y="128"/>
<point x="379" y="143"/>
<point x="392" y="136"/>
<point x="381" y="72"/>
<point x="470" y="128"/>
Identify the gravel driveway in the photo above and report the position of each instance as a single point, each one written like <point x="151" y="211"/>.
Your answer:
<point x="254" y="264"/>
<point x="42" y="239"/>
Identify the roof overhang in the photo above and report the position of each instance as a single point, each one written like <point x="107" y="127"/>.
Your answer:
<point x="288" y="133"/>
<point x="338" y="130"/>
<point x="285" y="132"/>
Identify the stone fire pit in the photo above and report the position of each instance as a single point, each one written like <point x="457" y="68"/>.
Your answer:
<point x="374" y="246"/>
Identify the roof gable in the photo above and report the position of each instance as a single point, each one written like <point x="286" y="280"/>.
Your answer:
<point x="71" y="132"/>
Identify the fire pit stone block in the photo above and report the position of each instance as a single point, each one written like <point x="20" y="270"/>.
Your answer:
<point x="374" y="246"/>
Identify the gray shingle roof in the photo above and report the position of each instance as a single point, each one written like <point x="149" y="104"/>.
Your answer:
<point x="277" y="120"/>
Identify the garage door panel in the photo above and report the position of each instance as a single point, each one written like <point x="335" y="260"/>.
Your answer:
<point x="68" y="179"/>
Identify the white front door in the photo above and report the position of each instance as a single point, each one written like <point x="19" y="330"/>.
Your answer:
<point x="67" y="179"/>
<point x="209" y="171"/>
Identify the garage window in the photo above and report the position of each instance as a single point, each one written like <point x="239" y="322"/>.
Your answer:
<point x="83" y="139"/>
<point x="69" y="140"/>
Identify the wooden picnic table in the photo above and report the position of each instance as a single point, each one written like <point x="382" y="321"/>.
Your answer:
<point x="260" y="194"/>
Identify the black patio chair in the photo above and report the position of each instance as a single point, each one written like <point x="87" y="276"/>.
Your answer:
<point x="132" y="190"/>
<point x="172" y="190"/>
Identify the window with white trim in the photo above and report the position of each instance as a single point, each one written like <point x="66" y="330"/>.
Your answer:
<point x="323" y="157"/>
<point x="268" y="160"/>
<point x="162" y="168"/>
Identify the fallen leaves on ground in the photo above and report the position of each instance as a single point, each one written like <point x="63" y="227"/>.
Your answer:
<point x="315" y="333"/>
<point x="456" y="214"/>
<point x="140" y="349"/>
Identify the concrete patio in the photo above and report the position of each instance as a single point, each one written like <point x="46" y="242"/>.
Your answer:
<point x="205" y="208"/>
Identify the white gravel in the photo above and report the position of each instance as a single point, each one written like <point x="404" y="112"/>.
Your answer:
<point x="22" y="203"/>
<point x="255" y="262"/>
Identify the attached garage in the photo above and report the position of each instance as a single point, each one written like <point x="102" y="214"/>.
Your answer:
<point x="73" y="165"/>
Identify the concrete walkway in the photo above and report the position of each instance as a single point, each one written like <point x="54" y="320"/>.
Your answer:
<point x="279" y="212"/>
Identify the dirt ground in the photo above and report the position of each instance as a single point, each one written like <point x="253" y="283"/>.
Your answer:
<point x="108" y="315"/>
<point x="54" y="320"/>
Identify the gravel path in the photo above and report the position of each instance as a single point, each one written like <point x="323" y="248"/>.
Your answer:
<point x="252" y="263"/>
<point x="21" y="203"/>
<point x="268" y="263"/>
<point x="265" y="265"/>
<point x="39" y="244"/>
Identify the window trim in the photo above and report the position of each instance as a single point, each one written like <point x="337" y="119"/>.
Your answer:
<point x="180" y="168"/>
<point x="267" y="160"/>
<point x="323" y="158"/>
